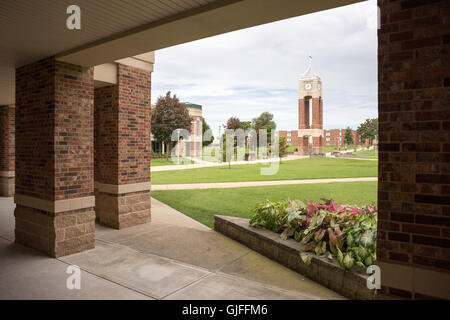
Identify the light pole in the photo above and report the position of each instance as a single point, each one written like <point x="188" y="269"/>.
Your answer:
<point x="178" y="143"/>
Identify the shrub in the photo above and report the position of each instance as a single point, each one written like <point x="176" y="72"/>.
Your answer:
<point x="326" y="228"/>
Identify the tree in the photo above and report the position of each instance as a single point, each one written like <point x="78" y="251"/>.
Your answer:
<point x="246" y="125"/>
<point x="234" y="123"/>
<point x="167" y="116"/>
<point x="348" y="137"/>
<point x="264" y="121"/>
<point x="282" y="147"/>
<point x="206" y="127"/>
<point x="228" y="146"/>
<point x="368" y="130"/>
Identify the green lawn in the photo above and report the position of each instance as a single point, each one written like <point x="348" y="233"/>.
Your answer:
<point x="327" y="149"/>
<point x="202" y="205"/>
<point x="162" y="162"/>
<point x="370" y="154"/>
<point x="292" y="148"/>
<point x="315" y="168"/>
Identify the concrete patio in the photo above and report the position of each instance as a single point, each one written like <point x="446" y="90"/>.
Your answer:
<point x="173" y="257"/>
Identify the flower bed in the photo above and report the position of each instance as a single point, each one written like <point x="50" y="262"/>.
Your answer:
<point x="347" y="233"/>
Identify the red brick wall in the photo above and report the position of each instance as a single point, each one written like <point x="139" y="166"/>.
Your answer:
<point x="106" y="130"/>
<point x="316" y="114"/>
<point x="294" y="138"/>
<point x="195" y="147"/>
<point x="303" y="114"/>
<point x="122" y="128"/>
<point x="414" y="124"/>
<point x="74" y="131"/>
<point x="134" y="124"/>
<point x="7" y="137"/>
<point x="282" y="133"/>
<point x="54" y="130"/>
<point x="334" y="137"/>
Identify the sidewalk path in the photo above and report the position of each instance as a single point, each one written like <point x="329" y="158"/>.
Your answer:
<point x="205" y="164"/>
<point x="222" y="185"/>
<point x="171" y="257"/>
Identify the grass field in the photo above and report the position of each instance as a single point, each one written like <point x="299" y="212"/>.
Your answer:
<point x="370" y="154"/>
<point x="162" y="162"/>
<point x="292" y="148"/>
<point x="202" y="205"/>
<point x="315" y="168"/>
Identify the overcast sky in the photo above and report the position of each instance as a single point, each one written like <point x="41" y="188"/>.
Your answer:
<point x="247" y="72"/>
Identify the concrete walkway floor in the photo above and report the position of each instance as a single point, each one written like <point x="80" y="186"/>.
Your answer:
<point x="173" y="257"/>
<point x="221" y="185"/>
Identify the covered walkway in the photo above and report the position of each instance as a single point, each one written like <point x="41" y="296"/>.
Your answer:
<point x="173" y="257"/>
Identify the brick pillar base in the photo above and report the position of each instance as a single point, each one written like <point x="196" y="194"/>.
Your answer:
<point x="57" y="234"/>
<point x="54" y="157"/>
<point x="303" y="146"/>
<point x="317" y="145"/>
<point x="122" y="210"/>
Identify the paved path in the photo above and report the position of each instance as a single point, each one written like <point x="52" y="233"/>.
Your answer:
<point x="206" y="164"/>
<point x="222" y="185"/>
<point x="172" y="257"/>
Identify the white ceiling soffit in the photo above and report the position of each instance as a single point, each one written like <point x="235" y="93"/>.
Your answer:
<point x="116" y="29"/>
<point x="215" y="18"/>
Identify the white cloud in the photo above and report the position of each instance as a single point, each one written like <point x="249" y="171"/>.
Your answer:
<point x="246" y="72"/>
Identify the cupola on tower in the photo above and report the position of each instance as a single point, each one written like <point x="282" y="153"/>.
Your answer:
<point x="310" y="113"/>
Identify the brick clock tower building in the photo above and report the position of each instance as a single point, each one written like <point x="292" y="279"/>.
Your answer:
<point x="310" y="113"/>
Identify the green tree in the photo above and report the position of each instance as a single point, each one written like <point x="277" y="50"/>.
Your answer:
<point x="206" y="127"/>
<point x="246" y="125"/>
<point x="348" y="137"/>
<point x="229" y="147"/>
<point x="282" y="147"/>
<point x="368" y="130"/>
<point x="168" y="115"/>
<point x="264" y="121"/>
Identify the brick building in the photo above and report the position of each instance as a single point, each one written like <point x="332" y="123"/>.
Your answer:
<point x="290" y="136"/>
<point x="335" y="137"/>
<point x="192" y="146"/>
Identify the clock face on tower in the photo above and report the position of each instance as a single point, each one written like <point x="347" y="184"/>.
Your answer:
<point x="308" y="86"/>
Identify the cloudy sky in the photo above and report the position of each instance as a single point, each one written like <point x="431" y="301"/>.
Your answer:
<point x="247" y="72"/>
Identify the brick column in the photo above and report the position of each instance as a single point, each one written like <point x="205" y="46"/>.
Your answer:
<point x="303" y="114"/>
<point x="321" y="113"/>
<point x="303" y="146"/>
<point x="316" y="124"/>
<point x="317" y="145"/>
<point x="7" y="152"/>
<point x="122" y="149"/>
<point x="413" y="247"/>
<point x="294" y="138"/>
<point x="54" y="157"/>
<point x="195" y="143"/>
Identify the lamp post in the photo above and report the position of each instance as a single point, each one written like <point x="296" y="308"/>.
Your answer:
<point x="178" y="143"/>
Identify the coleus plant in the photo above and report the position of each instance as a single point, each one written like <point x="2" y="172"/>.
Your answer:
<point x="326" y="229"/>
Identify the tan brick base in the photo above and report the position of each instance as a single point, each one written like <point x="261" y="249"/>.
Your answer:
<point x="122" y="210"/>
<point x="57" y="234"/>
<point x="7" y="186"/>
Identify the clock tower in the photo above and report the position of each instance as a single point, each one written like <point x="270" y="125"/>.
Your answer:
<point x="310" y="113"/>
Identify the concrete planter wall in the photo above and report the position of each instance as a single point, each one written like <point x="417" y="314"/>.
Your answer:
<point x="351" y="284"/>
